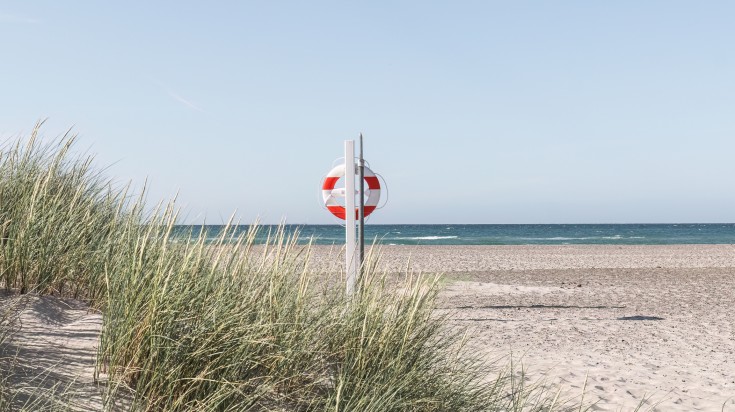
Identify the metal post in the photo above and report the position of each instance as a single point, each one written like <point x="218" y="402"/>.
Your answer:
<point x="350" y="261"/>
<point x="361" y="214"/>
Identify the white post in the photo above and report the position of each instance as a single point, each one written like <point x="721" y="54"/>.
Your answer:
<point x="350" y="261"/>
<point x="361" y="209"/>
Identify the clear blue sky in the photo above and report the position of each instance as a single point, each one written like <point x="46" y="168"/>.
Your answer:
<point x="473" y="111"/>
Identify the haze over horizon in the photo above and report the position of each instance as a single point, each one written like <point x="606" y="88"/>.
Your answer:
<point x="486" y="113"/>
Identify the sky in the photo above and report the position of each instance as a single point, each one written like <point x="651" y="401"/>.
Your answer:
<point x="472" y="111"/>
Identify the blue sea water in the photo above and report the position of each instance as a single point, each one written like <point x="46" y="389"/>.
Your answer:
<point x="451" y="234"/>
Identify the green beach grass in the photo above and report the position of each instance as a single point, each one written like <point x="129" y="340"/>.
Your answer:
<point x="226" y="326"/>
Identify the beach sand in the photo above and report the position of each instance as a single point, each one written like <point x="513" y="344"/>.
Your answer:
<point x="630" y="321"/>
<point x="51" y="351"/>
<point x="633" y="322"/>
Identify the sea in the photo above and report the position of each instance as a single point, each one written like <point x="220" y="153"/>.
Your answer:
<point x="491" y="234"/>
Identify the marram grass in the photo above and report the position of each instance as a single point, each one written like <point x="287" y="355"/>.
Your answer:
<point x="229" y="326"/>
<point x="220" y="327"/>
<point x="61" y="222"/>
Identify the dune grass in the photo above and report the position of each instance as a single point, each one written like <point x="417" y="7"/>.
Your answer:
<point x="229" y="325"/>
<point x="60" y="220"/>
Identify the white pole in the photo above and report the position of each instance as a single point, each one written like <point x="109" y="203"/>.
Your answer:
<point x="361" y="209"/>
<point x="350" y="261"/>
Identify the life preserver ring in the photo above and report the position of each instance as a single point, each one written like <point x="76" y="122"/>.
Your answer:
<point x="330" y="195"/>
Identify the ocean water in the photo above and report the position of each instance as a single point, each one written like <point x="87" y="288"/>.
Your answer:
<point x="450" y="234"/>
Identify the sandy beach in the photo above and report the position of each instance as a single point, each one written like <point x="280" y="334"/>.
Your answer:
<point x="629" y="324"/>
<point x="633" y="322"/>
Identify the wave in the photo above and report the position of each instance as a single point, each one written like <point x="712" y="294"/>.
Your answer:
<point x="427" y="237"/>
<point x="615" y="237"/>
<point x="557" y="238"/>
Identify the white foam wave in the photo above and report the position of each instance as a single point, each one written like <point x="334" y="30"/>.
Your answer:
<point x="616" y="237"/>
<point x="427" y="237"/>
<point x="557" y="238"/>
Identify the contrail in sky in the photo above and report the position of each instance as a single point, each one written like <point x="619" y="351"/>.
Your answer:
<point x="185" y="102"/>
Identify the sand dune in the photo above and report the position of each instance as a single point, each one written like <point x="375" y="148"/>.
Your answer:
<point x="53" y="350"/>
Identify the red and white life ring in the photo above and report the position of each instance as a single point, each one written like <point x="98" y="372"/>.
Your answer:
<point x="330" y="194"/>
